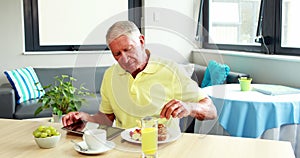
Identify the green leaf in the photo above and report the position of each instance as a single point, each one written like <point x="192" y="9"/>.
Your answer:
<point x="72" y="79"/>
<point x="38" y="110"/>
<point x="59" y="113"/>
<point x="64" y="76"/>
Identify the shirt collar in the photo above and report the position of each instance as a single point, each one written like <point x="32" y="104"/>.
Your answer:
<point x="151" y="66"/>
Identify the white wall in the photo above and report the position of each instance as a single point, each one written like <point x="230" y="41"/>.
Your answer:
<point x="170" y="28"/>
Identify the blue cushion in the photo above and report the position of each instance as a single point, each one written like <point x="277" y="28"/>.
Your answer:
<point x="25" y="83"/>
<point x="215" y="74"/>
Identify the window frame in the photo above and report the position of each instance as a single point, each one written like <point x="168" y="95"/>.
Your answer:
<point x="31" y="28"/>
<point x="271" y="29"/>
<point x="281" y="50"/>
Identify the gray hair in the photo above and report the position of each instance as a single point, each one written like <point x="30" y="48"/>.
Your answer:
<point x="119" y="28"/>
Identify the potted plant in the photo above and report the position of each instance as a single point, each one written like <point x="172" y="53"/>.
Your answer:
<point x="62" y="97"/>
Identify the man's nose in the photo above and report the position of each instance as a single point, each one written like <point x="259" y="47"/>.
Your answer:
<point x="124" y="57"/>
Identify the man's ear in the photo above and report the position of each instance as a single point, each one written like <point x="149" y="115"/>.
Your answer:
<point x="142" y="39"/>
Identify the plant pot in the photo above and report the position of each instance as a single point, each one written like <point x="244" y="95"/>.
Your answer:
<point x="56" y="118"/>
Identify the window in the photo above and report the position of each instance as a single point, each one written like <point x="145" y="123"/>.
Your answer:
<point x="68" y="25"/>
<point x="290" y="24"/>
<point x="234" y="25"/>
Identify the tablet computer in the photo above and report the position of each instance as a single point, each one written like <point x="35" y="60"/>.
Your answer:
<point x="81" y="126"/>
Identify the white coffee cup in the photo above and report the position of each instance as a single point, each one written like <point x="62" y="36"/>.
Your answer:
<point x="94" y="138"/>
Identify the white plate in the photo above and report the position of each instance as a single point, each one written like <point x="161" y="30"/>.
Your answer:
<point x="108" y="146"/>
<point x="172" y="136"/>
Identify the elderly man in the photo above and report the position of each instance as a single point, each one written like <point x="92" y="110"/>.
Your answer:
<point x="141" y="84"/>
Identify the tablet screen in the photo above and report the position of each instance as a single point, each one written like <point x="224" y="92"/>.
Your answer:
<point x="80" y="126"/>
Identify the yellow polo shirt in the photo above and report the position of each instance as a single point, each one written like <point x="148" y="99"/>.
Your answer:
<point x="131" y="99"/>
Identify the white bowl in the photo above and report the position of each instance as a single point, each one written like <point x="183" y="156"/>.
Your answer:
<point x="48" y="142"/>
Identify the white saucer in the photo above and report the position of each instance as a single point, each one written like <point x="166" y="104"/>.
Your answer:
<point x="108" y="146"/>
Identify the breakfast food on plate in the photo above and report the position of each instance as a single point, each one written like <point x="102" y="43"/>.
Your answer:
<point x="136" y="134"/>
<point x="162" y="133"/>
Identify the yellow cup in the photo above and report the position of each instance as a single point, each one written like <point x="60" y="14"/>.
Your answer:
<point x="245" y="83"/>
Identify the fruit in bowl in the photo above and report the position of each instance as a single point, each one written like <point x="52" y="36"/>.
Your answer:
<point x="46" y="136"/>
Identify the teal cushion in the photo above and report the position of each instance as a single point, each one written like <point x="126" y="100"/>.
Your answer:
<point x="25" y="83"/>
<point x="215" y="74"/>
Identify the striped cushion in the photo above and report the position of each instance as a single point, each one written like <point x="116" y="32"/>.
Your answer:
<point x="24" y="81"/>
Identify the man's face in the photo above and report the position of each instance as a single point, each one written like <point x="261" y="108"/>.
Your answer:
<point x="129" y="53"/>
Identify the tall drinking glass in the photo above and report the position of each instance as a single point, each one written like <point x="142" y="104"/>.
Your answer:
<point x="149" y="137"/>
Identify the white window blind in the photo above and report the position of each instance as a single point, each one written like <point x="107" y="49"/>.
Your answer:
<point x="70" y="22"/>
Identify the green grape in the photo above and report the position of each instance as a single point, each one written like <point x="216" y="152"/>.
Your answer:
<point x="53" y="132"/>
<point x="48" y="131"/>
<point x="44" y="135"/>
<point x="37" y="134"/>
<point x="45" y="131"/>
<point x="52" y="128"/>
<point x="56" y="133"/>
<point x="41" y="128"/>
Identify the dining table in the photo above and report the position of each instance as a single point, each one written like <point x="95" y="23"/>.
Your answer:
<point x="17" y="141"/>
<point x="250" y="113"/>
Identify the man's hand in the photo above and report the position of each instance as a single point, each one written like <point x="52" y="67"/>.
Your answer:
<point x="99" y="117"/>
<point x="204" y="109"/>
<point x="175" y="108"/>
<point x="71" y="118"/>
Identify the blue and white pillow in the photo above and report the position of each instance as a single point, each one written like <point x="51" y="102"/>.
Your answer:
<point x="25" y="83"/>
